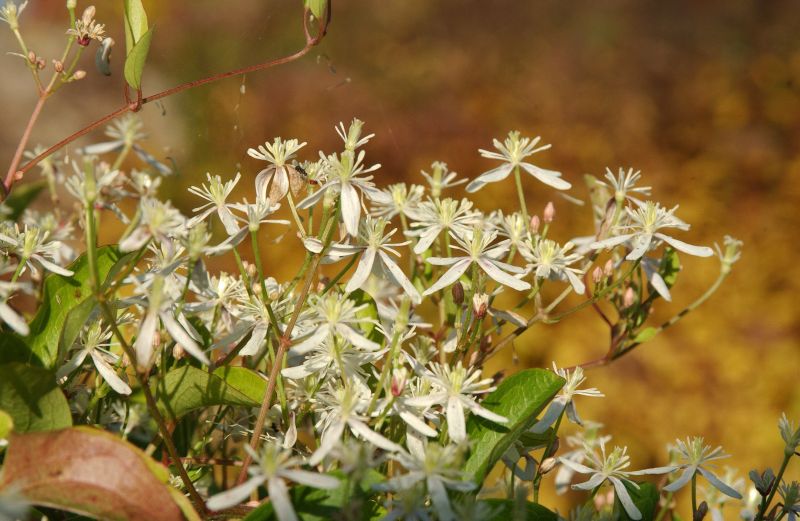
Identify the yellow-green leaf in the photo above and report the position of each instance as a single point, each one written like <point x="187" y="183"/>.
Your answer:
<point x="30" y="396"/>
<point x="135" y="61"/>
<point x="135" y="23"/>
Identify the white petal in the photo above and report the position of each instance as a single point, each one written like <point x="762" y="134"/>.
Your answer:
<point x="483" y="412"/>
<point x="280" y="185"/>
<point x="49" y="266"/>
<point x="312" y="479"/>
<point x="426" y="239"/>
<point x="449" y="277"/>
<point x="234" y="496"/>
<point x="103" y="148"/>
<point x="699" y="251"/>
<point x="456" y="426"/>
<point x="16" y="322"/>
<point x="610" y="242"/>
<point x="313" y="341"/>
<point x="641" y="243"/>
<point x="401" y="278"/>
<point x="135" y="240"/>
<point x="502" y="277"/>
<point x="417" y="424"/>
<point x="577" y="284"/>
<point x="351" y="209"/>
<point x="262" y="181"/>
<point x="681" y="481"/>
<point x="228" y="221"/>
<point x="548" y="177"/>
<point x="279" y="497"/>
<point x="182" y="337"/>
<point x="575" y="466"/>
<point x="440" y="500"/>
<point x="718" y="484"/>
<point x="593" y="482"/>
<point x="625" y="498"/>
<point x="312" y="199"/>
<point x="660" y="286"/>
<point x="494" y="175"/>
<point x="549" y="418"/>
<point x="73" y="364"/>
<point x="144" y="341"/>
<point x="373" y="437"/>
<point x="443" y="261"/>
<point x="362" y="272"/>
<point x="109" y="375"/>
<point x="356" y="338"/>
<point x="329" y="440"/>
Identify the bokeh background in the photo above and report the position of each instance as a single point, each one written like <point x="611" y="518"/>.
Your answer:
<point x="703" y="97"/>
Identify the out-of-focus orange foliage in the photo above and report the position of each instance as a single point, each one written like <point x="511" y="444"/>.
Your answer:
<point x="703" y="97"/>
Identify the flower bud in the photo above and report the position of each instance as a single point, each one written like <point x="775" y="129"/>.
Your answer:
<point x="58" y="66"/>
<point x="473" y="359"/>
<point x="40" y="63"/>
<point x="178" y="352"/>
<point x="79" y="75"/>
<point x="549" y="213"/>
<point x="458" y="293"/>
<point x="535" y="223"/>
<point x="608" y="268"/>
<point x="480" y="303"/>
<point x="399" y="379"/>
<point x="597" y="275"/>
<point x="547" y="465"/>
<point x="250" y="269"/>
<point x="88" y="15"/>
<point x="629" y="298"/>
<point x="702" y="510"/>
<point x="255" y="287"/>
<point x="31" y="56"/>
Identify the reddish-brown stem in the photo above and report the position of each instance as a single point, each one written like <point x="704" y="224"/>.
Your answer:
<point x="23" y="142"/>
<point x="283" y="345"/>
<point x="15" y="174"/>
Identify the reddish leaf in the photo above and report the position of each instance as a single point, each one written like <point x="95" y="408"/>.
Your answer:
<point x="91" y="472"/>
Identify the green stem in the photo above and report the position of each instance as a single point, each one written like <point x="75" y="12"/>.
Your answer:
<point x="694" y="495"/>
<point x="523" y="207"/>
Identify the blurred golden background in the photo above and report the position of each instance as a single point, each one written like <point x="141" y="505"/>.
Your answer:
<point x="703" y="97"/>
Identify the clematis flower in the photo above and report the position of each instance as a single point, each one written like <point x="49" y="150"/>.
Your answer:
<point x="512" y="152"/>
<point x="434" y="216"/>
<point x="564" y="400"/>
<point x="695" y="456"/>
<point x="95" y="343"/>
<point x="215" y="193"/>
<point x="32" y="244"/>
<point x="273" y="466"/>
<point x="643" y="230"/>
<point x="549" y="260"/>
<point x="479" y="250"/>
<point x="281" y="173"/>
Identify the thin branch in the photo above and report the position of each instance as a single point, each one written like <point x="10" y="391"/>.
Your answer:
<point x="15" y="174"/>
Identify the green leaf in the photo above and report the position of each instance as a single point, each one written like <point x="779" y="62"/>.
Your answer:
<point x="135" y="23"/>
<point x="646" y="334"/>
<point x="134" y="62"/>
<point x="670" y="267"/>
<point x="519" y="398"/>
<point x="317" y="7"/>
<point x="188" y="388"/>
<point x="91" y="472"/>
<point x="368" y="315"/>
<point x="6" y="424"/>
<point x="645" y="498"/>
<point x="21" y="198"/>
<point x="61" y="295"/>
<point x="508" y="510"/>
<point x="30" y="396"/>
<point x="344" y="502"/>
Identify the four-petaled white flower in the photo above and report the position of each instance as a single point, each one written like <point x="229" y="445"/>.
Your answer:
<point x="564" y="400"/>
<point x="695" y="455"/>
<point x="513" y="152"/>
<point x="432" y="217"/>
<point x="273" y="466"/>
<point x="346" y="172"/>
<point x="95" y="343"/>
<point x="548" y="259"/>
<point x="32" y="244"/>
<point x="478" y="247"/>
<point x="611" y="467"/>
<point x="215" y="193"/>
<point x="624" y="185"/>
<point x="453" y="388"/>
<point x="396" y="199"/>
<point x="645" y="221"/>
<point x="437" y="467"/>
<point x="282" y="174"/>
<point x="158" y="220"/>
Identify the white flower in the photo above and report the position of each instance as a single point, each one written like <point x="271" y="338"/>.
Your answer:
<point x="376" y="253"/>
<point x="33" y="244"/>
<point x="280" y="172"/>
<point x="589" y="438"/>
<point x="645" y="222"/>
<point x="548" y="259"/>
<point x="438" y="468"/>
<point x="346" y="173"/>
<point x="161" y="305"/>
<point x="396" y="199"/>
<point x="611" y="468"/>
<point x="440" y="178"/>
<point x="158" y="220"/>
<point x="333" y="314"/>
<point x="625" y="184"/>
<point x="95" y="344"/>
<point x="215" y="193"/>
<point x="512" y="152"/>
<point x="10" y="12"/>
<point x="695" y="455"/>
<point x="352" y="136"/>
<point x="274" y="466"/>
<point x="477" y="247"/>
<point x="341" y="408"/>
<point x="432" y="217"/>
<point x="452" y="388"/>
<point x="564" y="400"/>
